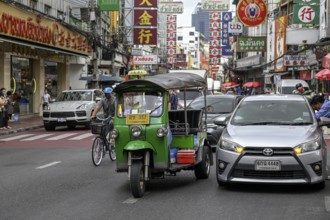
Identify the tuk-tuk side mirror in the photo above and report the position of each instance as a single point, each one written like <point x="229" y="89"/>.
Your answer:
<point x="221" y="121"/>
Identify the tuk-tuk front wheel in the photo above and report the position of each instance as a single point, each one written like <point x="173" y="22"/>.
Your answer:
<point x="137" y="182"/>
<point x="202" y="170"/>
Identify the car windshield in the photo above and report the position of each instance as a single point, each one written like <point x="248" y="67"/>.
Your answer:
<point x="214" y="105"/>
<point x="269" y="112"/>
<point x="75" y="96"/>
<point x="150" y="102"/>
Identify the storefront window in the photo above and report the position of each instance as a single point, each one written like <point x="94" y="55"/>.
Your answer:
<point x="23" y="85"/>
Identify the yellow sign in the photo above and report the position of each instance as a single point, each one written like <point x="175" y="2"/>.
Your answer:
<point x="137" y="73"/>
<point x="137" y="119"/>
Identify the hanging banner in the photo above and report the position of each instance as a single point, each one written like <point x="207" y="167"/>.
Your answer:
<point x="280" y="43"/>
<point x="226" y="18"/>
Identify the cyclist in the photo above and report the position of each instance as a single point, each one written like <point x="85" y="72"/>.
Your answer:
<point x="108" y="106"/>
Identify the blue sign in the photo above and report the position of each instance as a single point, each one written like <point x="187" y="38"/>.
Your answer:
<point x="226" y="51"/>
<point x="226" y="18"/>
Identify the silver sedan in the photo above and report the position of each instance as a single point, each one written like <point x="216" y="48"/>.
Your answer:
<point x="273" y="139"/>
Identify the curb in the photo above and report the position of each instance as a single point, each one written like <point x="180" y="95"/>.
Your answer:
<point x="13" y="131"/>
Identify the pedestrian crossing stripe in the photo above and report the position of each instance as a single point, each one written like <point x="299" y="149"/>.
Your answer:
<point x="32" y="137"/>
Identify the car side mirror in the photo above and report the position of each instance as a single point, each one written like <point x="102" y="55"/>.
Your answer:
<point x="220" y="121"/>
<point x="324" y="122"/>
<point x="98" y="99"/>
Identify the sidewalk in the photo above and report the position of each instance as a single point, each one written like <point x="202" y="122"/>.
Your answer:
<point x="24" y="123"/>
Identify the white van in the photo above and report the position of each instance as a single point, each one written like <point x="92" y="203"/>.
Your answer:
<point x="286" y="86"/>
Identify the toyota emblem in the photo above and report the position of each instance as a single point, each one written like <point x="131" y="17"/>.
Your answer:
<point x="268" y="152"/>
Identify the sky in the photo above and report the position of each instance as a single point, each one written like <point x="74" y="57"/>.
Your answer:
<point x="184" y="19"/>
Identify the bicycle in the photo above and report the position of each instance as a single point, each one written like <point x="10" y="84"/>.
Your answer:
<point x="102" y="142"/>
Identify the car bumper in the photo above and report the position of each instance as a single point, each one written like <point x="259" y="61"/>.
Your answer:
<point x="66" y="118"/>
<point x="294" y="169"/>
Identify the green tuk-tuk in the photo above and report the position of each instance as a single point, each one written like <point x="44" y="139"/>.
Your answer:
<point x="152" y="140"/>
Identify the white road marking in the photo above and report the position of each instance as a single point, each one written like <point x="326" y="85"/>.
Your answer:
<point x="37" y="137"/>
<point x="130" y="201"/>
<point x="82" y="136"/>
<point x="60" y="137"/>
<point x="16" y="137"/>
<point x="327" y="203"/>
<point x="49" y="164"/>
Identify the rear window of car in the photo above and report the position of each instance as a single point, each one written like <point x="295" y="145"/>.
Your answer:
<point x="214" y="105"/>
<point x="190" y="95"/>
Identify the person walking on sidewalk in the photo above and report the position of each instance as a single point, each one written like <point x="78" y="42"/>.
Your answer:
<point x="10" y="106"/>
<point x="45" y="99"/>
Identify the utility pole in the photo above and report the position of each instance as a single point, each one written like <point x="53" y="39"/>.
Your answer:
<point x="94" y="31"/>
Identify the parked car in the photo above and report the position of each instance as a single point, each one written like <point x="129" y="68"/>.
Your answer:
<point x="272" y="139"/>
<point x="217" y="106"/>
<point x="71" y="108"/>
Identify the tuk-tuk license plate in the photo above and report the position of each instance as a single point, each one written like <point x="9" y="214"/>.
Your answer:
<point x="133" y="119"/>
<point x="61" y="119"/>
<point x="270" y="165"/>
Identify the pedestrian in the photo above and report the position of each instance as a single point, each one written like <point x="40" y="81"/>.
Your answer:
<point x="5" y="118"/>
<point x="174" y="100"/>
<point x="45" y="99"/>
<point x="2" y="107"/>
<point x="10" y="106"/>
<point x="321" y="106"/>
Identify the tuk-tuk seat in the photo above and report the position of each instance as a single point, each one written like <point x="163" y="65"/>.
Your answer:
<point x="177" y="118"/>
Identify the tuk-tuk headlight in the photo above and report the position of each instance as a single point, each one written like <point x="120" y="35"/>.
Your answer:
<point x="161" y="132"/>
<point x="309" y="146"/>
<point x="114" y="133"/>
<point x="231" y="146"/>
<point x="136" y="131"/>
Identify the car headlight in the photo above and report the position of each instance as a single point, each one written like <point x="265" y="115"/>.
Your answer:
<point x="161" y="132"/>
<point x="114" y="133"/>
<point x="83" y="106"/>
<point x="47" y="107"/>
<point x="231" y="146"/>
<point x="136" y="131"/>
<point x="307" y="147"/>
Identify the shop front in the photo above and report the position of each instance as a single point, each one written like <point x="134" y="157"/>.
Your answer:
<point x="35" y="55"/>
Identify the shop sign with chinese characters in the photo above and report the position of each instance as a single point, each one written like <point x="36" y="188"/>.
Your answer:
<point x="26" y="26"/>
<point x="306" y="14"/>
<point x="295" y="60"/>
<point x="145" y="21"/>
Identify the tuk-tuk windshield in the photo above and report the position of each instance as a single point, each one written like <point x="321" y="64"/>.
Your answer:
<point x="149" y="102"/>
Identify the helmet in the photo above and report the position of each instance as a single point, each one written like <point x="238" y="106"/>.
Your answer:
<point x="108" y="90"/>
<point x="298" y="85"/>
<point x="301" y="89"/>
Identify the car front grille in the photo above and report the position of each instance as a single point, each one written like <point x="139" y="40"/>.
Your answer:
<point x="62" y="114"/>
<point x="283" y="151"/>
<point x="45" y="114"/>
<point x="81" y="113"/>
<point x="284" y="174"/>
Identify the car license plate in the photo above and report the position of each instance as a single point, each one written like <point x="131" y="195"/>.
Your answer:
<point x="61" y="119"/>
<point x="270" y="165"/>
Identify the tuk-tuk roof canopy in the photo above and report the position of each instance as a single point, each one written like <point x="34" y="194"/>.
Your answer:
<point x="167" y="81"/>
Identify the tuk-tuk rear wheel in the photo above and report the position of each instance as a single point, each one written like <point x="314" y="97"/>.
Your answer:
<point x="202" y="170"/>
<point x="137" y="182"/>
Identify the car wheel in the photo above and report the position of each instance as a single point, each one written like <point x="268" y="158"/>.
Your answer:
<point x="49" y="127"/>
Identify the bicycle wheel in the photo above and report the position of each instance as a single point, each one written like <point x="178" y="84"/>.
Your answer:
<point x="97" y="151"/>
<point x="112" y="151"/>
